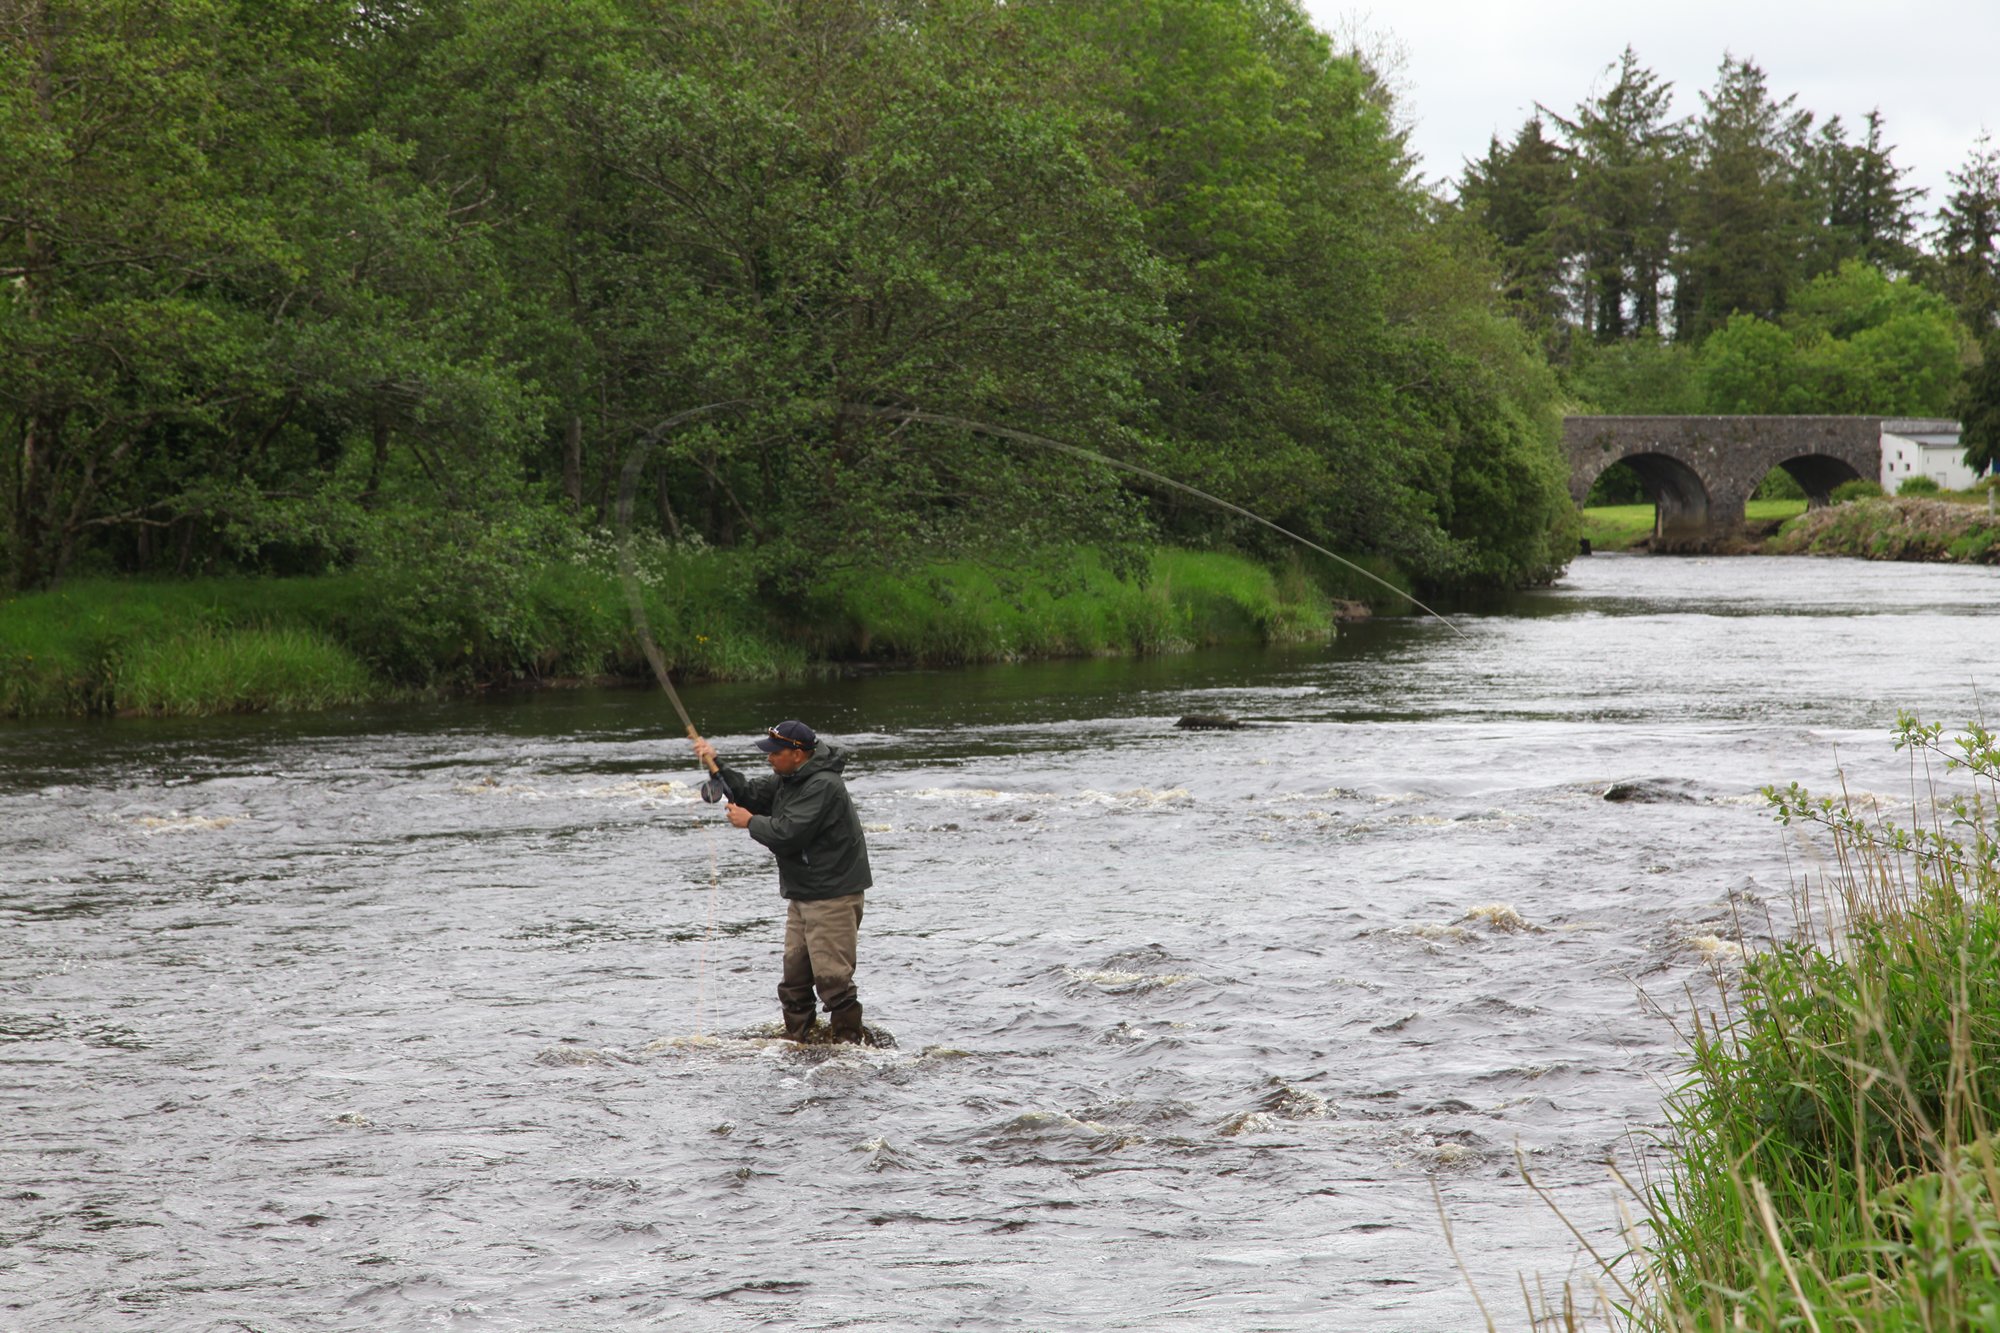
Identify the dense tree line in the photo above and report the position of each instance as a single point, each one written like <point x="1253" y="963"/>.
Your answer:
<point x="1746" y="258"/>
<point x="295" y="285"/>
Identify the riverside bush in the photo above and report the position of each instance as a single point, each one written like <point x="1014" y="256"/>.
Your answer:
<point x="1347" y="585"/>
<point x="1974" y="547"/>
<point x="1832" y="1155"/>
<point x="1858" y="489"/>
<point x="1918" y="486"/>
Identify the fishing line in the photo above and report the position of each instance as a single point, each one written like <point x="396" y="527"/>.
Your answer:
<point x="635" y="461"/>
<point x="1091" y="455"/>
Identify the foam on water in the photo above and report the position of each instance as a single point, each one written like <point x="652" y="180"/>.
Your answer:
<point x="1714" y="949"/>
<point x="1498" y="916"/>
<point x="1293" y="1103"/>
<point x="178" y="823"/>
<point x="491" y="786"/>
<point x="671" y="791"/>
<point x="559" y="1057"/>
<point x="1112" y="979"/>
<point x="1246" y="1122"/>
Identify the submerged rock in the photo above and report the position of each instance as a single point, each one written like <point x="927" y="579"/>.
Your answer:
<point x="567" y="1057"/>
<point x="1650" y="790"/>
<point x="1209" y="722"/>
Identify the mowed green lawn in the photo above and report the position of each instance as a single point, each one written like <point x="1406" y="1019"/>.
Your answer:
<point x="1615" y="527"/>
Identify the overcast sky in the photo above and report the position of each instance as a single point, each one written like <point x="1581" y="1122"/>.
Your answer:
<point x="1475" y="68"/>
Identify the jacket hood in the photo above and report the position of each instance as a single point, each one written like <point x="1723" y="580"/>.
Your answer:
<point x="828" y="758"/>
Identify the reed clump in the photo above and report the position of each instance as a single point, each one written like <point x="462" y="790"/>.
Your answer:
<point x="1831" y="1161"/>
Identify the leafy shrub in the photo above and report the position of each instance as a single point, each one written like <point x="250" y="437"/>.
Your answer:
<point x="1918" y="486"/>
<point x="1858" y="489"/>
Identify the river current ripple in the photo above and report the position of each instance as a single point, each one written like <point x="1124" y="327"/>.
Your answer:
<point x="436" y="1017"/>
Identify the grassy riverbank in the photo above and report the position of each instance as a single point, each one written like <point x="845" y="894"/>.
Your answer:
<point x="1833" y="1156"/>
<point x="1900" y="527"/>
<point x="1951" y="528"/>
<point x="248" y="644"/>
<point x="1621" y="527"/>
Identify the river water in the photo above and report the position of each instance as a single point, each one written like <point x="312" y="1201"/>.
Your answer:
<point x="459" y="1016"/>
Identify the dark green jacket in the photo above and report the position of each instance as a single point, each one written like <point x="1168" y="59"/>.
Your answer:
<point x="809" y="823"/>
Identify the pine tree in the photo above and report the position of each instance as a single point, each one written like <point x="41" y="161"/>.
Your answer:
<point x="1622" y="201"/>
<point x="1856" y="202"/>
<point x="1879" y="213"/>
<point x="1519" y="192"/>
<point x="1979" y="408"/>
<point x="1743" y="221"/>
<point x="1967" y="259"/>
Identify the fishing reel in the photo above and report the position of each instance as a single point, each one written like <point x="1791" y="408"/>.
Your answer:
<point x="714" y="789"/>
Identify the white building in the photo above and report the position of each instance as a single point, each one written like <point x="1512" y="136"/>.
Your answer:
<point x="1924" y="448"/>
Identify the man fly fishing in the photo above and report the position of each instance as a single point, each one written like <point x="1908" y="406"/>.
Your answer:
<point x="803" y="813"/>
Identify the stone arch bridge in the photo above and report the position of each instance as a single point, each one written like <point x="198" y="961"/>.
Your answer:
<point x="1699" y="471"/>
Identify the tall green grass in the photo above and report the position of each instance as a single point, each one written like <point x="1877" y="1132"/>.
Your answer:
<point x="246" y="644"/>
<point x="1075" y="605"/>
<point x="234" y="671"/>
<point x="1618" y="527"/>
<point x="1831" y="1161"/>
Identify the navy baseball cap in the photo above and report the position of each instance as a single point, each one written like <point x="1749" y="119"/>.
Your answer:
<point x="788" y="736"/>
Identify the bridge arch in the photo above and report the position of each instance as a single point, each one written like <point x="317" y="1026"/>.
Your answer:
<point x="1818" y="474"/>
<point x="1680" y="497"/>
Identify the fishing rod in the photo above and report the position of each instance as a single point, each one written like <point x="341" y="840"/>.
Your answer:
<point x="628" y="573"/>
